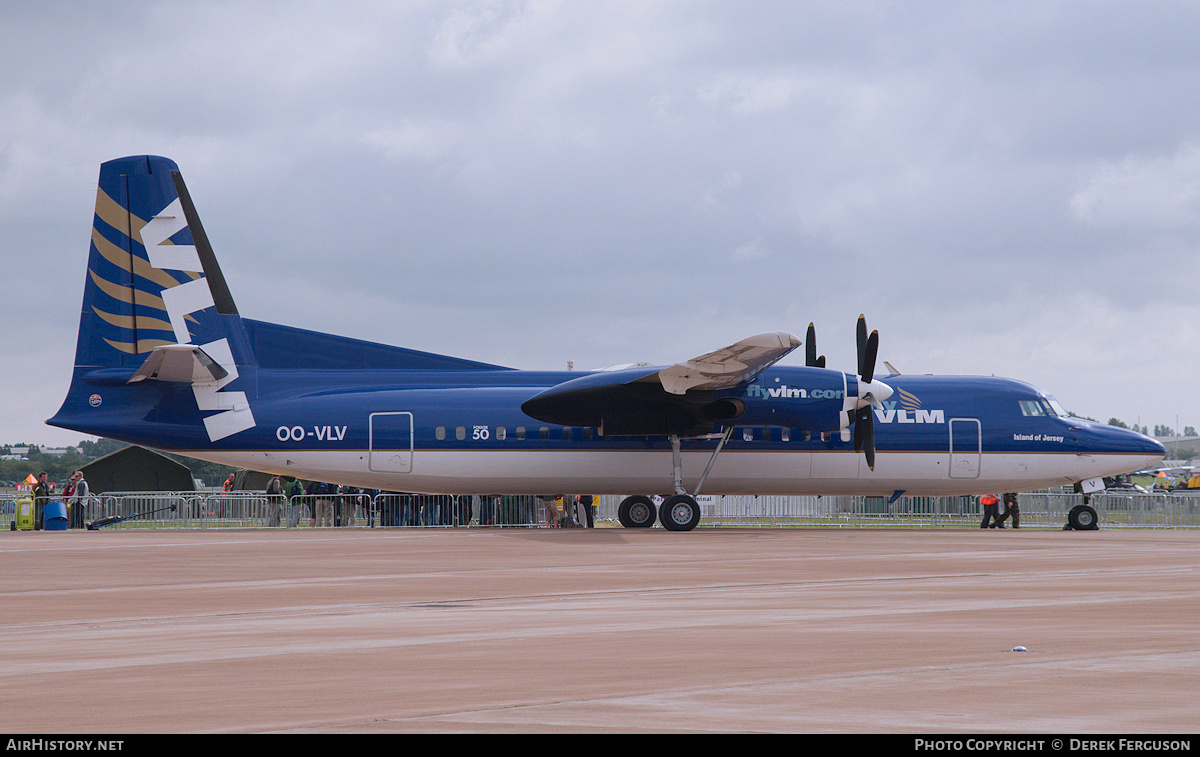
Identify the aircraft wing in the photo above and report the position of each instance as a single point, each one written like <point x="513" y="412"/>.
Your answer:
<point x="659" y="399"/>
<point x="729" y="366"/>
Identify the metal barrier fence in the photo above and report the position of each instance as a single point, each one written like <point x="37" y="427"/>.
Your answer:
<point x="255" y="510"/>
<point x="836" y="511"/>
<point x="1041" y="509"/>
<point x="1117" y="509"/>
<point x="1044" y="509"/>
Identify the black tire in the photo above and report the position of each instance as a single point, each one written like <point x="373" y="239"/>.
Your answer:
<point x="679" y="513"/>
<point x="1083" y="518"/>
<point x="636" y="512"/>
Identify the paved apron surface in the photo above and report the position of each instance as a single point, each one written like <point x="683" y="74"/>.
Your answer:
<point x="600" y="630"/>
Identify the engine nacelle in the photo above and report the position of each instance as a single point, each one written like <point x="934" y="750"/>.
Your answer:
<point x="812" y="399"/>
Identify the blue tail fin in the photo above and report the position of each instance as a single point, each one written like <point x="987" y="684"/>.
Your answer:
<point x="152" y="278"/>
<point x="155" y="304"/>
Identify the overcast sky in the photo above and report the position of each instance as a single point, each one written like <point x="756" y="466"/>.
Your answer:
<point x="1007" y="188"/>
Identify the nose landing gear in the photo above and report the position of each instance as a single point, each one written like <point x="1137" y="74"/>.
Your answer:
<point x="1082" y="518"/>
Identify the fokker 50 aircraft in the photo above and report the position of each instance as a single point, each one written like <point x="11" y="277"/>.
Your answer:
<point x="165" y="360"/>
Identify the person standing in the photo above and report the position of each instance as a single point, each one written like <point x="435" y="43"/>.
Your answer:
<point x="349" y="503"/>
<point x="324" y="504"/>
<point x="274" y="501"/>
<point x="75" y="497"/>
<point x="68" y="493"/>
<point x="296" y="502"/>
<point x="1011" y="507"/>
<point x="586" y="509"/>
<point x="41" y="495"/>
<point x="991" y="510"/>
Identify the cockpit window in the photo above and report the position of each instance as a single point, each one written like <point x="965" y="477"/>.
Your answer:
<point x="1033" y="408"/>
<point x="1058" y="409"/>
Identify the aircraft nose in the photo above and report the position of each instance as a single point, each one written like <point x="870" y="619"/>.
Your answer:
<point x="1152" y="449"/>
<point x="1154" y="446"/>
<point x="1140" y="442"/>
<point x="1132" y="443"/>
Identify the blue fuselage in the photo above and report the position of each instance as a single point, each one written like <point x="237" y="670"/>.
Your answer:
<point x="463" y="431"/>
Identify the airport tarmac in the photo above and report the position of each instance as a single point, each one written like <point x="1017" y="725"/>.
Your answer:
<point x="606" y="630"/>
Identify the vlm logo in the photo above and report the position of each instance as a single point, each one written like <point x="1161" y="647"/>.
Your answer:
<point x="789" y="392"/>
<point x="910" y="411"/>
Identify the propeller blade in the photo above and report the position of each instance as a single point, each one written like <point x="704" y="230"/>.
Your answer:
<point x="867" y="367"/>
<point x="810" y="350"/>
<point x="862" y="341"/>
<point x="864" y="421"/>
<point x="868" y="425"/>
<point x="864" y="434"/>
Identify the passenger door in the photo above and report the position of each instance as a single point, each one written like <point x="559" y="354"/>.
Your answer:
<point x="966" y="447"/>
<point x="391" y="449"/>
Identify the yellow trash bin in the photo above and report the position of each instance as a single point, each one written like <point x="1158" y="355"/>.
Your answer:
<point x="25" y="512"/>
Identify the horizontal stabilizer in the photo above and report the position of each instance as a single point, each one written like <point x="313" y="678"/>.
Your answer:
<point x="180" y="363"/>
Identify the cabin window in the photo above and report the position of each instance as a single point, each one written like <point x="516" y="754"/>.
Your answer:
<point x="587" y="434"/>
<point x="544" y="433"/>
<point x="521" y="432"/>
<point x="439" y="433"/>
<point x="501" y="433"/>
<point x="568" y="433"/>
<point x="766" y="434"/>
<point x="460" y="433"/>
<point x="785" y="435"/>
<point x="747" y="434"/>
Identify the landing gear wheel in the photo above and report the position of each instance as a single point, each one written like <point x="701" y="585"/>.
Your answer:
<point x="636" y="512"/>
<point x="1083" y="518"/>
<point x="679" y="513"/>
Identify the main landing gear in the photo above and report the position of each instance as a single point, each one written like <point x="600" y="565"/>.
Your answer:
<point x="637" y="511"/>
<point x="678" y="512"/>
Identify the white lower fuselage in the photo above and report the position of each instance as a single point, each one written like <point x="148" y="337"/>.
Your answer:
<point x="650" y="471"/>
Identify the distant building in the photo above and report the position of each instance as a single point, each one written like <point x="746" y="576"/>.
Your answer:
<point x="59" y="451"/>
<point x="1177" y="446"/>
<point x="22" y="452"/>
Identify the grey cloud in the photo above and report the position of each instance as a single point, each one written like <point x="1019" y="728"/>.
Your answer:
<point x="1002" y="187"/>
